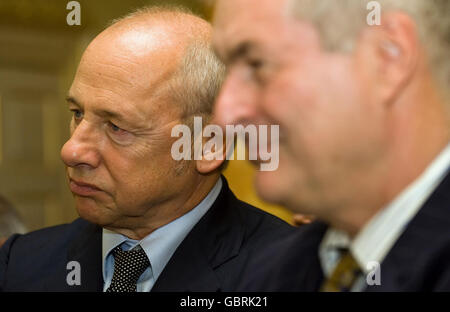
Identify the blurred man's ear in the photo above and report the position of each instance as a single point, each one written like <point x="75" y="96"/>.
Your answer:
<point x="393" y="50"/>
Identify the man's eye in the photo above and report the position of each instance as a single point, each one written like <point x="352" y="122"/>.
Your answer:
<point x="255" y="64"/>
<point x="119" y="135"/>
<point x="115" y="129"/>
<point x="77" y="114"/>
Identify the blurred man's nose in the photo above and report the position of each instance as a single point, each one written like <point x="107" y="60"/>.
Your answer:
<point x="81" y="150"/>
<point x="235" y="104"/>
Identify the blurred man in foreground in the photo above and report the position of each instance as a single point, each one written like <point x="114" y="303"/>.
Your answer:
<point x="364" y="132"/>
<point x="149" y="222"/>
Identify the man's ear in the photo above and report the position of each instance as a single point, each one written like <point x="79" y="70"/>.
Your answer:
<point x="213" y="156"/>
<point x="205" y="166"/>
<point x="394" y="50"/>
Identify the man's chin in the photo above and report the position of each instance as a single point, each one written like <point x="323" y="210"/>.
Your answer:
<point x="268" y="186"/>
<point x="88" y="209"/>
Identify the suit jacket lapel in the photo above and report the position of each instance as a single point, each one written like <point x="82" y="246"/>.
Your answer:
<point x="216" y="238"/>
<point x="86" y="249"/>
<point x="410" y="261"/>
<point x="303" y="257"/>
<point x="187" y="270"/>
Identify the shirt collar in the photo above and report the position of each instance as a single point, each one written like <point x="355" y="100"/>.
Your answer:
<point x="160" y="245"/>
<point x="378" y="236"/>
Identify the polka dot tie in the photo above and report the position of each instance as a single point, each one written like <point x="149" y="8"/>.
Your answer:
<point x="128" y="267"/>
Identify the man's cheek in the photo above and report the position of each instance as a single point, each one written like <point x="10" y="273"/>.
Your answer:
<point x="72" y="127"/>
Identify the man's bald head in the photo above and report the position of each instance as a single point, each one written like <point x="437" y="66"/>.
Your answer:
<point x="182" y="21"/>
<point x="171" y="41"/>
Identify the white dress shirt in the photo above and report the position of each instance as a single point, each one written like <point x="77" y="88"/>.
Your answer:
<point x="378" y="236"/>
<point x="159" y="245"/>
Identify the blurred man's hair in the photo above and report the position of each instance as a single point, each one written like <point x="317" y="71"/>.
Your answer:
<point x="10" y="221"/>
<point x="340" y="22"/>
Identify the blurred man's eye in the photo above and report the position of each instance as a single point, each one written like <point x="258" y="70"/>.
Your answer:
<point x="255" y="64"/>
<point x="257" y="68"/>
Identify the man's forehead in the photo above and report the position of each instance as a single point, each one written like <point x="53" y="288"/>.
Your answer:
<point x="112" y="94"/>
<point x="138" y="41"/>
<point x="134" y="49"/>
<point x="262" y="8"/>
<point x="110" y="72"/>
<point x="107" y="107"/>
<point x="245" y="23"/>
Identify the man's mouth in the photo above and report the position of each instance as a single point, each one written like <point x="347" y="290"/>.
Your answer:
<point x="82" y="188"/>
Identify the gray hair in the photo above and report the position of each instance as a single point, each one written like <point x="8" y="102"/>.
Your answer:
<point x="197" y="82"/>
<point x="10" y="221"/>
<point x="339" y="23"/>
<point x="195" y="87"/>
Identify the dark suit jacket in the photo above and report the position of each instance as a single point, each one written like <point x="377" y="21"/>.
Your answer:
<point x="213" y="257"/>
<point x="418" y="261"/>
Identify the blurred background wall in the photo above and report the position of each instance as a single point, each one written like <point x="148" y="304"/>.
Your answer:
<point x="39" y="53"/>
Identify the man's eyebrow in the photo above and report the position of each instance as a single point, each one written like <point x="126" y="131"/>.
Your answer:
<point x="239" y="51"/>
<point x="98" y="112"/>
<point x="109" y="114"/>
<point x="71" y="99"/>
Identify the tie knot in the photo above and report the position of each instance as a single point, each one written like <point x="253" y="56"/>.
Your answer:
<point x="128" y="267"/>
<point x="344" y="275"/>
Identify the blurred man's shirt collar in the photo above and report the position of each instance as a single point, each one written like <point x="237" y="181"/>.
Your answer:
<point x="159" y="245"/>
<point x="378" y="236"/>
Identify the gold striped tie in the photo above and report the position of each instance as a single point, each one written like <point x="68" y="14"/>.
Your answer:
<point x="343" y="276"/>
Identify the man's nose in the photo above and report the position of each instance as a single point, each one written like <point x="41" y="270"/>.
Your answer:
<point x="82" y="148"/>
<point x="236" y="104"/>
